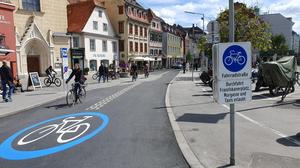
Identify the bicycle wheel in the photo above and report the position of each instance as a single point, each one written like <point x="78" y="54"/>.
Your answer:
<point x="228" y="61"/>
<point x="70" y="98"/>
<point x="37" y="134"/>
<point x="57" y="82"/>
<point x="95" y="76"/>
<point x="82" y="94"/>
<point x="47" y="82"/>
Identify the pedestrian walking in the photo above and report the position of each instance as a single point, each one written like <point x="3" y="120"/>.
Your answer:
<point x="184" y="67"/>
<point x="6" y="80"/>
<point x="101" y="73"/>
<point x="106" y="72"/>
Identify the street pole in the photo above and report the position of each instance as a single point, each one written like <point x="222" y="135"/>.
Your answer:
<point x="203" y="52"/>
<point x="232" y="113"/>
<point x="193" y="55"/>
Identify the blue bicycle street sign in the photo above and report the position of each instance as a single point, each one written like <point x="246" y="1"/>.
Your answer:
<point x="235" y="58"/>
<point x="68" y="130"/>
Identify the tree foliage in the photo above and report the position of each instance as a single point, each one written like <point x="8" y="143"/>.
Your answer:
<point x="189" y="57"/>
<point x="248" y="27"/>
<point x="278" y="46"/>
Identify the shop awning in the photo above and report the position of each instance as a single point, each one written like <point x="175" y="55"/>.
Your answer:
<point x="139" y="59"/>
<point x="4" y="51"/>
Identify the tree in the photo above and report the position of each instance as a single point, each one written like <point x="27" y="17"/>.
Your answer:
<point x="278" y="46"/>
<point x="189" y="57"/>
<point x="248" y="27"/>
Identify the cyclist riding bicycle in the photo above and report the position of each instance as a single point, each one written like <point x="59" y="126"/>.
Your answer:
<point x="79" y="78"/>
<point x="49" y="72"/>
<point x="134" y="70"/>
<point x="146" y="70"/>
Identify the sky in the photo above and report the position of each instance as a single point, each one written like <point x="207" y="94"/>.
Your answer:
<point x="172" y="11"/>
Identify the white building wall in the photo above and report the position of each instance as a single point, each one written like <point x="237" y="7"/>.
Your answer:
<point x="99" y="35"/>
<point x="280" y="25"/>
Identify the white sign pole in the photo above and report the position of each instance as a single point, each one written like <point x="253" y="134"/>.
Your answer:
<point x="232" y="121"/>
<point x="65" y="65"/>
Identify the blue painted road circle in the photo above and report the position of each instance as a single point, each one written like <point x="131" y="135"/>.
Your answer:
<point x="235" y="58"/>
<point x="9" y="153"/>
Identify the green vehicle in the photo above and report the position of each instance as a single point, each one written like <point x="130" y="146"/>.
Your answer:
<point x="281" y="76"/>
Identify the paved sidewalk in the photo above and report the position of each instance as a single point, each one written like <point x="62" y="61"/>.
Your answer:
<point x="27" y="100"/>
<point x="201" y="127"/>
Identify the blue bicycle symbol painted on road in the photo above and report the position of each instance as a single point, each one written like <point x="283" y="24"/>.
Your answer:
<point x="234" y="58"/>
<point x="70" y="130"/>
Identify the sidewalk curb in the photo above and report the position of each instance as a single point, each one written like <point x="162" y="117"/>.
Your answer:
<point x="31" y="107"/>
<point x="39" y="104"/>
<point x="187" y="152"/>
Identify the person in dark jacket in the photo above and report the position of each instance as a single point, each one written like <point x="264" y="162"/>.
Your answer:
<point x="184" y="66"/>
<point x="77" y="72"/>
<point x="101" y="73"/>
<point x="6" y="80"/>
<point x="106" y="72"/>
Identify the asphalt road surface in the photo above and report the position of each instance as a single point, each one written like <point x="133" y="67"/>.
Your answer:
<point x="119" y="127"/>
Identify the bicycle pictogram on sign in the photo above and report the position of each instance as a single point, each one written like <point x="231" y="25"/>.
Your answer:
<point x="234" y="58"/>
<point x="69" y="130"/>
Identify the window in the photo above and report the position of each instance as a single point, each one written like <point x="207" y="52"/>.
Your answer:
<point x="136" y="29"/>
<point x="104" y="46"/>
<point x="146" y="49"/>
<point x="121" y="11"/>
<point x="136" y="46"/>
<point x="160" y="52"/>
<point x="100" y="13"/>
<point x="95" y="25"/>
<point x="31" y="5"/>
<point x="129" y="10"/>
<point x="121" y="27"/>
<point x="76" y="42"/>
<point x="139" y="14"/>
<point x="155" y="52"/>
<point x="153" y="24"/>
<point x="105" y="27"/>
<point x="92" y="45"/>
<point x="93" y="65"/>
<point x="131" y="46"/>
<point x="2" y="41"/>
<point x="114" y="46"/>
<point x="141" y="47"/>
<point x="121" y="45"/>
<point x="151" y="51"/>
<point x="141" y="31"/>
<point x="130" y="28"/>
<point x="145" y="32"/>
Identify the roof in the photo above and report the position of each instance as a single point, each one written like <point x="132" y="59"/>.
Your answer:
<point x="277" y="16"/>
<point x="79" y="13"/>
<point x="196" y="30"/>
<point x="134" y="3"/>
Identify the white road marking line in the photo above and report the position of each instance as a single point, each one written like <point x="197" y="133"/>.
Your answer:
<point x="266" y="127"/>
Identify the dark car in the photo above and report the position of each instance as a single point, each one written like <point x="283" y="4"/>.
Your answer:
<point x="177" y="65"/>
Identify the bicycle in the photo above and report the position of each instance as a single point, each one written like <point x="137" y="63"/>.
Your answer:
<point x="235" y="57"/>
<point x="95" y="76"/>
<point x="48" y="81"/>
<point x="134" y="76"/>
<point x="63" y="128"/>
<point x="73" y="96"/>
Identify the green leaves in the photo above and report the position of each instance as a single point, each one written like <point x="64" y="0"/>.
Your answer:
<point x="248" y="27"/>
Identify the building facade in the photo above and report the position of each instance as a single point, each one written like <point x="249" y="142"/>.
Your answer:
<point x="7" y="35"/>
<point x="130" y="20"/>
<point x="296" y="43"/>
<point x="172" y="44"/>
<point x="155" y="40"/>
<point x="41" y="27"/>
<point x="280" y="25"/>
<point x="92" y="30"/>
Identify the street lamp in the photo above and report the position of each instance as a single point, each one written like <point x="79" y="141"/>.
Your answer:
<point x="202" y="58"/>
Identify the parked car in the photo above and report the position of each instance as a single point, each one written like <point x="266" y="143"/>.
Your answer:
<point x="177" y="65"/>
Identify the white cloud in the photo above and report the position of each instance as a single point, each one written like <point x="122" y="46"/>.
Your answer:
<point x="173" y="10"/>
